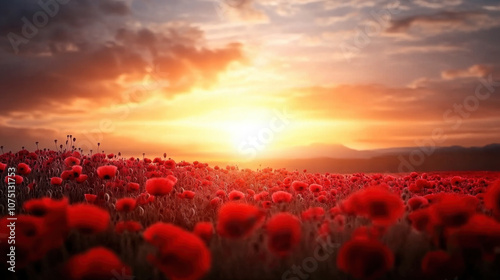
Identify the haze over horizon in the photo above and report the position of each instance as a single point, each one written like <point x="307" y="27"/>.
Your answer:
<point x="216" y="80"/>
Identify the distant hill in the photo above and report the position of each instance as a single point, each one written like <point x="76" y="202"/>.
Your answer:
<point x="396" y="160"/>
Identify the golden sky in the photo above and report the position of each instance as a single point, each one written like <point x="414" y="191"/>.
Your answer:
<point x="235" y="79"/>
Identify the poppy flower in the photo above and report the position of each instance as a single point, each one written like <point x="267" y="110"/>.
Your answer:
<point x="313" y="214"/>
<point x="378" y="204"/>
<point x="215" y="202"/>
<point x="160" y="186"/>
<point x="236" y="195"/>
<point x="161" y="234"/>
<point x="30" y="232"/>
<point x="250" y="192"/>
<point x="126" y="204"/>
<point x="322" y="199"/>
<point x="90" y="198"/>
<point x="441" y="265"/>
<point x="81" y="178"/>
<point x="187" y="194"/>
<point x="480" y="232"/>
<point x="237" y="220"/>
<point x="107" y="171"/>
<point x="77" y="170"/>
<point x="169" y="164"/>
<point x="98" y="263"/>
<point x="454" y="210"/>
<point x="145" y="198"/>
<point x="133" y="187"/>
<point x="16" y="179"/>
<point x="417" y="202"/>
<point x="492" y="197"/>
<point x="3" y="166"/>
<point x="315" y="188"/>
<point x="185" y="257"/>
<point x="43" y="206"/>
<point x="365" y="258"/>
<point x="204" y="230"/>
<point x="281" y="196"/>
<point x="299" y="186"/>
<point x="23" y="169"/>
<point x="266" y="204"/>
<point x="422" y="219"/>
<point x="70" y="161"/>
<point x="56" y="181"/>
<point x="130" y="226"/>
<point x="283" y="233"/>
<point x="220" y="193"/>
<point x="87" y="218"/>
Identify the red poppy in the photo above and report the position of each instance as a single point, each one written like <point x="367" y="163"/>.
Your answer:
<point x="250" y="192"/>
<point x="237" y="220"/>
<point x="97" y="263"/>
<point x="161" y="234"/>
<point x="67" y="175"/>
<point x="266" y="204"/>
<point x="492" y="197"/>
<point x="441" y="265"/>
<point x="126" y="204"/>
<point x="281" y="196"/>
<point x="322" y="199"/>
<point x="90" y="198"/>
<point x="284" y="233"/>
<point x="133" y="187"/>
<point x="82" y="178"/>
<point x="365" y="258"/>
<point x="56" y="181"/>
<point x="130" y="226"/>
<point x="77" y="170"/>
<point x="422" y="219"/>
<point x="3" y="166"/>
<point x="70" y="161"/>
<point x="87" y="218"/>
<point x="160" y="186"/>
<point x="480" y="232"/>
<point x="378" y="204"/>
<point x="299" y="186"/>
<point x="30" y="233"/>
<point x="170" y="164"/>
<point x="43" y="206"/>
<point x="215" y="202"/>
<point x="417" y="202"/>
<point x="315" y="188"/>
<point x="236" y="195"/>
<point x="204" y="230"/>
<point x="220" y="193"/>
<point x="454" y="210"/>
<point x="145" y="198"/>
<point x="23" y="169"/>
<point x="107" y="172"/>
<point x="313" y="214"/>
<point x="187" y="194"/>
<point x="18" y="180"/>
<point x="185" y="257"/>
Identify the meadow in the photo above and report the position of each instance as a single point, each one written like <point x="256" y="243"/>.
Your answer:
<point x="102" y="216"/>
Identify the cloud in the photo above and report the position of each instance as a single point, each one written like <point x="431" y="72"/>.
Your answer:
<point x="240" y="10"/>
<point x="443" y="21"/>
<point x="437" y="4"/>
<point x="90" y="51"/>
<point x="475" y="71"/>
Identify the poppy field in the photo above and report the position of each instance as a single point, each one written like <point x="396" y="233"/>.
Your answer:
<point x="66" y="215"/>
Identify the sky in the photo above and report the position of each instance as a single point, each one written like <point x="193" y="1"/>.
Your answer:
<point x="240" y="79"/>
